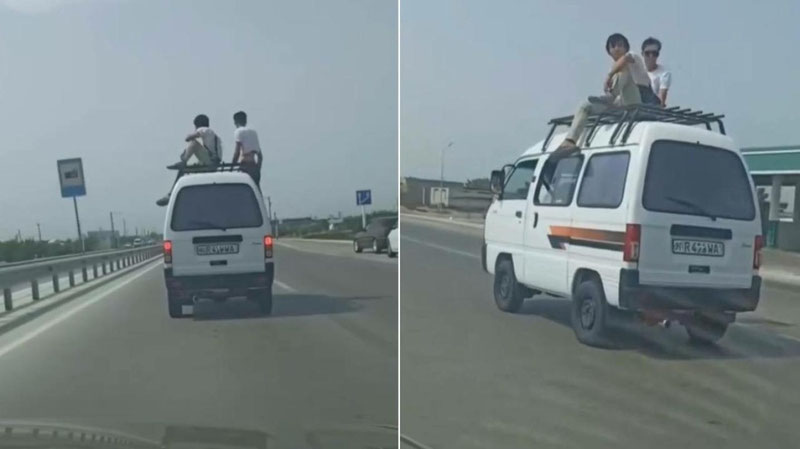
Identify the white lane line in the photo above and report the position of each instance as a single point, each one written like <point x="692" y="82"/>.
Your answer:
<point x="285" y="286"/>
<point x="440" y="247"/>
<point x="63" y="317"/>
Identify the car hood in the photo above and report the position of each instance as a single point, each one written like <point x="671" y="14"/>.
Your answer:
<point x="52" y="435"/>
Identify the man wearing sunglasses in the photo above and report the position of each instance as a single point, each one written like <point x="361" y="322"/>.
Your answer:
<point x="660" y="77"/>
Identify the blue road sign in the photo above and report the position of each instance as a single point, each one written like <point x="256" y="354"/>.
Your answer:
<point x="363" y="197"/>
<point x="70" y="176"/>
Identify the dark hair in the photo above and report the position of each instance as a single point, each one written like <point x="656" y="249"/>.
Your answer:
<point x="201" y="121"/>
<point x="616" y="39"/>
<point x="651" y="41"/>
<point x="240" y="118"/>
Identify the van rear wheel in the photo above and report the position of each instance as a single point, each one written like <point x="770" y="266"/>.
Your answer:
<point x="590" y="313"/>
<point x="174" y="306"/>
<point x="705" y="331"/>
<point x="264" y="300"/>
<point x="356" y="247"/>
<point x="508" y="294"/>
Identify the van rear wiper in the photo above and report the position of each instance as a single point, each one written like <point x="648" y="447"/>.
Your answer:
<point x="694" y="206"/>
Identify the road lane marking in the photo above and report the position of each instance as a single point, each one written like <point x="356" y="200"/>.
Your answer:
<point x="285" y="286"/>
<point x="440" y="247"/>
<point x="441" y="220"/>
<point x="353" y="255"/>
<point x="63" y="317"/>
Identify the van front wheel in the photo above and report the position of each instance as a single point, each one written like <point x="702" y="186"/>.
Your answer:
<point x="508" y="294"/>
<point x="589" y="313"/>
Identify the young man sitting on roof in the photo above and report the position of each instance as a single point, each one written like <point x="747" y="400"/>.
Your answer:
<point x="204" y="145"/>
<point x="626" y="84"/>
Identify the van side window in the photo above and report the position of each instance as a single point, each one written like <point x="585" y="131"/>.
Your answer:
<point x="557" y="182"/>
<point x="519" y="181"/>
<point x="604" y="180"/>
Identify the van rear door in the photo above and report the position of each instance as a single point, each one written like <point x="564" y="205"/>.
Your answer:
<point x="700" y="220"/>
<point x="217" y="229"/>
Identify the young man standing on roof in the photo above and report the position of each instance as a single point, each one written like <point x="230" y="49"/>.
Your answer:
<point x="660" y="77"/>
<point x="204" y="145"/>
<point x="626" y="84"/>
<point x="247" y="148"/>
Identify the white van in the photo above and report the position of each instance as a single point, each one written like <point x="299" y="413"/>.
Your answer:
<point x="218" y="241"/>
<point x="655" y="218"/>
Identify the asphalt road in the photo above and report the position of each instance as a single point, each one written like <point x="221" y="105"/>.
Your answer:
<point x="475" y="377"/>
<point x="325" y="359"/>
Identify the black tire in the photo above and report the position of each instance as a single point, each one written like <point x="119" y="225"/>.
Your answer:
<point x="705" y="331"/>
<point x="356" y="247"/>
<point x="174" y="306"/>
<point x="590" y="313"/>
<point x="508" y="294"/>
<point x="375" y="247"/>
<point x="264" y="300"/>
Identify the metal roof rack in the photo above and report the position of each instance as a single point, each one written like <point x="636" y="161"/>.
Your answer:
<point x="215" y="168"/>
<point x="625" y="117"/>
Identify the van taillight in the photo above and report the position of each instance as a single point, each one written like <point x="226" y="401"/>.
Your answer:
<point x="167" y="251"/>
<point x="757" y="246"/>
<point x="268" y="241"/>
<point x="633" y="238"/>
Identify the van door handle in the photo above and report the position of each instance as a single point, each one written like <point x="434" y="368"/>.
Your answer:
<point x="519" y="214"/>
<point x="535" y="219"/>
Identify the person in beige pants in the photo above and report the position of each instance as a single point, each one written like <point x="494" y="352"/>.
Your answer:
<point x="626" y="84"/>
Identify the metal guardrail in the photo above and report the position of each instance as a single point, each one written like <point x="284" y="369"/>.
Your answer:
<point x="12" y="275"/>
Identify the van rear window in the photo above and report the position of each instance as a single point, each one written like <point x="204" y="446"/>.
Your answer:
<point x="692" y="179"/>
<point x="216" y="206"/>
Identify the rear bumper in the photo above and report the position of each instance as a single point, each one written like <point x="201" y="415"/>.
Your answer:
<point x="634" y="296"/>
<point x="231" y="284"/>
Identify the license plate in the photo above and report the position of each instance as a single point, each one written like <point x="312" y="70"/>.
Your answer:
<point x="215" y="249"/>
<point x="698" y="248"/>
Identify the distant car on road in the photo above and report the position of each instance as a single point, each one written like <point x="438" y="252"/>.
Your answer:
<point x="217" y="241"/>
<point x="128" y="245"/>
<point x="393" y="245"/>
<point x="375" y="236"/>
<point x="137" y="242"/>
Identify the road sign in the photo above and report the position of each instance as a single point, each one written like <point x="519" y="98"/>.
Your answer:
<point x="70" y="176"/>
<point x="363" y="197"/>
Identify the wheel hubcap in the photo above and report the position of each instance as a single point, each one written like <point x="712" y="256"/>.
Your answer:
<point x="587" y="313"/>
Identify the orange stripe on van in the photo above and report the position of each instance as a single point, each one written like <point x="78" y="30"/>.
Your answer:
<point x="596" y="235"/>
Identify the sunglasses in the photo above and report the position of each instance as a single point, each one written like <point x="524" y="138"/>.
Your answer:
<point x="653" y="53"/>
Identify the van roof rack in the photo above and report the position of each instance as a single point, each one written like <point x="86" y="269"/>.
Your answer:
<point x="215" y="168"/>
<point x="625" y="117"/>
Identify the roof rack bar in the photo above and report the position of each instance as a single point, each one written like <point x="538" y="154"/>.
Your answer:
<point x="629" y="127"/>
<point x="549" y="136"/>
<point x="613" y="138"/>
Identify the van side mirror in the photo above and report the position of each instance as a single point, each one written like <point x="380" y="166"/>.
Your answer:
<point x="496" y="181"/>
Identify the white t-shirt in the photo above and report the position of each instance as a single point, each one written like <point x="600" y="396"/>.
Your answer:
<point x="660" y="78"/>
<point x="210" y="140"/>
<point x="638" y="70"/>
<point x="248" y="138"/>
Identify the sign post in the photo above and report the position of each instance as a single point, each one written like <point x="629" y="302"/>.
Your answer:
<point x="363" y="198"/>
<point x="73" y="184"/>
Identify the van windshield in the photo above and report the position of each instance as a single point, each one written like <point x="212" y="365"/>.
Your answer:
<point x="216" y="206"/>
<point x="692" y="179"/>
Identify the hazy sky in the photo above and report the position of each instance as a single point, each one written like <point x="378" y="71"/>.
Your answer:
<point x="489" y="75"/>
<point x="118" y="83"/>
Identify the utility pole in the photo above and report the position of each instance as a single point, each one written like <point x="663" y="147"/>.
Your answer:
<point x="114" y="243"/>
<point x="441" y="179"/>
<point x="39" y="228"/>
<point x="124" y="227"/>
<point x="269" y="212"/>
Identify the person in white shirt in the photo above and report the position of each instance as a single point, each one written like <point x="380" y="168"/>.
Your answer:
<point x="660" y="77"/>
<point x="248" y="149"/>
<point x="203" y="144"/>
<point x="626" y="84"/>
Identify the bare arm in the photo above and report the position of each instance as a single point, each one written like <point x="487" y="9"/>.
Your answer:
<point x="237" y="152"/>
<point x="192" y="136"/>
<point x="662" y="95"/>
<point x="620" y="64"/>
